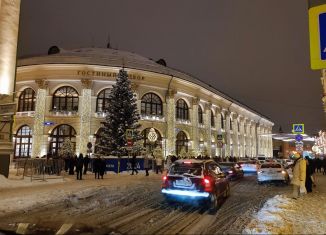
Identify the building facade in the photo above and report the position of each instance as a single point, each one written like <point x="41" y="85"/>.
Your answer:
<point x="63" y="95"/>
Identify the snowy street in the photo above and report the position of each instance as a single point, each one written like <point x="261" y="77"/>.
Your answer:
<point x="123" y="204"/>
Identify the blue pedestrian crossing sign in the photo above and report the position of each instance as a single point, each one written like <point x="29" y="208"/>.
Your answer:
<point x="298" y="128"/>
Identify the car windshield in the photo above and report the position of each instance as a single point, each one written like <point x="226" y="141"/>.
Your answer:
<point x="271" y="166"/>
<point x="186" y="169"/>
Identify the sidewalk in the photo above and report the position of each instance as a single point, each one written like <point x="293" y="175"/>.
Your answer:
<point x="284" y="215"/>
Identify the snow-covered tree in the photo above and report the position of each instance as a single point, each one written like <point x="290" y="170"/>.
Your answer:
<point x="121" y="114"/>
<point x="66" y="149"/>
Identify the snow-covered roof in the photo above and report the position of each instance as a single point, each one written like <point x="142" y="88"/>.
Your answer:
<point x="119" y="58"/>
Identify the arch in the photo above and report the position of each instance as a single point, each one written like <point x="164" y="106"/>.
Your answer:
<point x="102" y="100"/>
<point x="182" y="110"/>
<point x="26" y="100"/>
<point x="151" y="104"/>
<point x="57" y="136"/>
<point x="147" y="144"/>
<point x="23" y="142"/>
<point x="65" y="98"/>
<point x="200" y="115"/>
<point x="181" y="142"/>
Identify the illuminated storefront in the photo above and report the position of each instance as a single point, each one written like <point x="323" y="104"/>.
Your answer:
<point x="64" y="94"/>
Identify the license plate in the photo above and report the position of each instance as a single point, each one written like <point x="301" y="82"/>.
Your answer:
<point x="183" y="183"/>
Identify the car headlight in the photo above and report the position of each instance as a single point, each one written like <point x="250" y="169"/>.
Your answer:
<point x="283" y="172"/>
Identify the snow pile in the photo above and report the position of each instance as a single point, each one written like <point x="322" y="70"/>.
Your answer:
<point x="4" y="182"/>
<point x="284" y="215"/>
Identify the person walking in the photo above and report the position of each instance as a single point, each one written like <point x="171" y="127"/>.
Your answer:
<point x="324" y="165"/>
<point x="102" y="167"/>
<point x="133" y="164"/>
<point x="159" y="163"/>
<point x="299" y="176"/>
<point x="97" y="166"/>
<point x="79" y="166"/>
<point x="146" y="162"/>
<point x="86" y="162"/>
<point x="309" y="173"/>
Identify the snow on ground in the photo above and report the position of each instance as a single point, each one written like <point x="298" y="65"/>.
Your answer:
<point x="284" y="215"/>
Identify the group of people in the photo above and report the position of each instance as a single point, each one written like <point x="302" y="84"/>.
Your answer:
<point x="304" y="169"/>
<point x="80" y="165"/>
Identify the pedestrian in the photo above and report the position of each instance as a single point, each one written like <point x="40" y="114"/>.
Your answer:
<point x="159" y="163"/>
<point x="146" y="162"/>
<point x="309" y="173"/>
<point x="299" y="176"/>
<point x="97" y="166"/>
<point x="134" y="164"/>
<point x="324" y="165"/>
<point x="318" y="164"/>
<point x="72" y="164"/>
<point x="102" y="167"/>
<point x="173" y="158"/>
<point x="79" y="166"/>
<point x="86" y="162"/>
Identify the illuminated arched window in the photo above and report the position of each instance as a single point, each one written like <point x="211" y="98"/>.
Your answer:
<point x="212" y="119"/>
<point x="27" y="100"/>
<point x="181" y="142"/>
<point x="222" y="121"/>
<point x="200" y="115"/>
<point x="182" y="110"/>
<point x="58" y="136"/>
<point x="102" y="100"/>
<point x="147" y="144"/>
<point x="23" y="142"/>
<point x="65" y="99"/>
<point x="151" y="104"/>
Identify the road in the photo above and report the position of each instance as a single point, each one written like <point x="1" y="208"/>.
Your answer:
<point x="137" y="207"/>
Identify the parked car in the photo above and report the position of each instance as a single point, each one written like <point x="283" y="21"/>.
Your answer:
<point x="272" y="172"/>
<point x="232" y="170"/>
<point x="249" y="166"/>
<point x="200" y="180"/>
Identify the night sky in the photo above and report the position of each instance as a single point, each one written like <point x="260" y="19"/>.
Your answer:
<point x="256" y="51"/>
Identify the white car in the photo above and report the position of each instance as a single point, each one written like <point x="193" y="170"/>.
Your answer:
<point x="249" y="166"/>
<point x="272" y="172"/>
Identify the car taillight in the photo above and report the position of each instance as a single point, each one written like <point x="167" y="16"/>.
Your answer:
<point x="207" y="185"/>
<point x="165" y="181"/>
<point x="230" y="172"/>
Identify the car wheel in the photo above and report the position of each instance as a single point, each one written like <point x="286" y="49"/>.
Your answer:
<point x="213" y="203"/>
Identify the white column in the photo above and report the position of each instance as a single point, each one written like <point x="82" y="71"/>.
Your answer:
<point x="9" y="22"/>
<point x="39" y="145"/>
<point x="170" y="118"/>
<point x="85" y="113"/>
<point x="208" y="132"/>
<point x="195" y="125"/>
<point x="228" y="135"/>
<point x="235" y="136"/>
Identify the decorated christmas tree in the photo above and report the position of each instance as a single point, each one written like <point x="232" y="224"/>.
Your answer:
<point x="66" y="149"/>
<point x="121" y="114"/>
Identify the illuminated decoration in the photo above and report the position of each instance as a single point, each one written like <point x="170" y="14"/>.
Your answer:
<point x="38" y="126"/>
<point x="9" y="21"/>
<point x="152" y="135"/>
<point x="85" y="120"/>
<point x="170" y="116"/>
<point x="320" y="143"/>
<point x="208" y="131"/>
